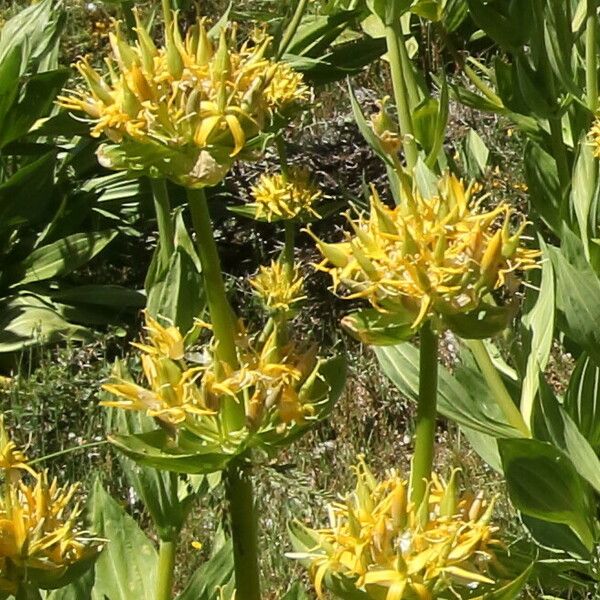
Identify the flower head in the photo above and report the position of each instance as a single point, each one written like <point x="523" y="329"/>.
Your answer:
<point x="279" y="287"/>
<point x="163" y="341"/>
<point x="429" y="256"/>
<point x="40" y="538"/>
<point x="278" y="197"/>
<point x="185" y="110"/>
<point x="391" y="549"/>
<point x="268" y="381"/>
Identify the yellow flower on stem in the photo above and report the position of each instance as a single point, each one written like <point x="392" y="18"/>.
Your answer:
<point x="391" y="549"/>
<point x="185" y="110"/>
<point x="184" y="395"/>
<point x="429" y="256"/>
<point x="278" y="197"/>
<point x="162" y="341"/>
<point x="40" y="538"/>
<point x="279" y="288"/>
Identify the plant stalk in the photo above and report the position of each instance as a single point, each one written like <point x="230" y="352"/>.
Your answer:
<point x="127" y="8"/>
<point x="426" y="413"/>
<point x="244" y="531"/>
<point x="591" y="58"/>
<point x="221" y="314"/>
<point x="395" y="39"/>
<point x="292" y="28"/>
<point x="166" y="569"/>
<point x="166" y="232"/>
<point x="496" y="385"/>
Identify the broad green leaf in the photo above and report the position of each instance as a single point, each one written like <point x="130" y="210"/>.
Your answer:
<point x="455" y="13"/>
<point x="80" y="589"/>
<point x="475" y="155"/>
<point x="114" y="296"/>
<point x="582" y="399"/>
<point x="511" y="590"/>
<point x="127" y="567"/>
<point x="544" y="484"/>
<point x="496" y="23"/>
<point x="296" y="592"/>
<point x="61" y="257"/>
<point x="539" y="322"/>
<point x="553" y="424"/>
<point x="544" y="187"/>
<point x="157" y="450"/>
<point x="425" y="121"/>
<point x="9" y="84"/>
<point x="36" y="100"/>
<point x="585" y="191"/>
<point x="577" y="290"/>
<point x="27" y="320"/>
<point x="27" y="196"/>
<point x="470" y="405"/>
<point x="485" y="445"/>
<point x="555" y="536"/>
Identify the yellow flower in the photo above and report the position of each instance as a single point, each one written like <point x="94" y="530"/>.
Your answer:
<point x="182" y="394"/>
<point x="386" y="129"/>
<point x="278" y="197"/>
<point x="392" y="549"/>
<point x="279" y="288"/>
<point x="162" y="341"/>
<point x="427" y="257"/>
<point x="11" y="457"/>
<point x="187" y="109"/>
<point x="39" y="528"/>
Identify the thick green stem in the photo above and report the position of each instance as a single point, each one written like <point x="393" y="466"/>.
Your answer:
<point x="166" y="569"/>
<point x="497" y="387"/>
<point x="395" y="39"/>
<point x="591" y="59"/>
<point x="166" y="232"/>
<point x="221" y="314"/>
<point x="244" y="531"/>
<point x="292" y="28"/>
<point x="426" y="414"/>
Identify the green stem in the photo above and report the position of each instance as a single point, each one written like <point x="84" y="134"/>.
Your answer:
<point x="166" y="232"/>
<point x="67" y="451"/>
<point x="287" y="256"/>
<point x="560" y="153"/>
<point x="426" y="414"/>
<point x="408" y="71"/>
<point x="292" y="28"/>
<point x="166" y="568"/>
<point x="497" y="387"/>
<point x="244" y="531"/>
<point x="591" y="59"/>
<point x="395" y="39"/>
<point x="221" y="315"/>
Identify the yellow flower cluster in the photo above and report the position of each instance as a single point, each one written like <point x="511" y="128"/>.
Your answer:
<point x="392" y="549"/>
<point x="185" y="110"/>
<point x="278" y="197"/>
<point x="190" y="395"/>
<point x="279" y="287"/>
<point x="39" y="530"/>
<point x="427" y="256"/>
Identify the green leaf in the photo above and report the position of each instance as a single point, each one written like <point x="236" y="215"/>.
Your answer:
<point x="218" y="571"/>
<point x="468" y="402"/>
<point x="455" y="13"/>
<point x="27" y="320"/>
<point x="582" y="399"/>
<point x="80" y="589"/>
<point x="60" y="257"/>
<point x="296" y="592"/>
<point x="10" y="69"/>
<point x="156" y="449"/>
<point x="539" y="323"/>
<point x="553" y="424"/>
<point x="577" y="290"/>
<point x="378" y="329"/>
<point x="584" y="195"/>
<point x="484" y="322"/>
<point x="543" y="483"/>
<point x="366" y="130"/>
<point x="510" y="590"/>
<point x="113" y="296"/>
<point x="128" y="564"/>
<point x="544" y="186"/>
<point x="475" y="155"/>
<point x="496" y="24"/>
<point x="27" y="196"/>
<point x="36" y="100"/>
<point x="555" y="536"/>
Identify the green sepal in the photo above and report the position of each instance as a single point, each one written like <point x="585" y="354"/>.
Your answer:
<point x="484" y="322"/>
